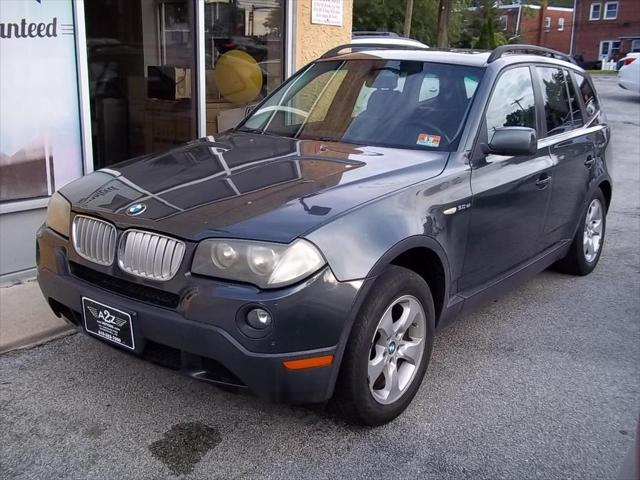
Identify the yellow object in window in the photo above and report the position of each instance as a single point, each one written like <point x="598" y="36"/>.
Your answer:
<point x="238" y="77"/>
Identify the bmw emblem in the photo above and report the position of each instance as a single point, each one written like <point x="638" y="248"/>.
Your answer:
<point x="136" y="209"/>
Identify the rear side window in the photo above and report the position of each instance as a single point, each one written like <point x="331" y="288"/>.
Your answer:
<point x="512" y="103"/>
<point x="574" y="102"/>
<point x="562" y="113"/>
<point x="588" y="96"/>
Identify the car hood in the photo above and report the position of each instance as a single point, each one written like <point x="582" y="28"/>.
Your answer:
<point x="250" y="186"/>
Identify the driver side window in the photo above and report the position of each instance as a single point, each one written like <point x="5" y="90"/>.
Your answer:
<point x="512" y="103"/>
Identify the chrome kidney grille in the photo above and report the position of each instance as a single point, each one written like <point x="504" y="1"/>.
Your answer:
<point x="94" y="240"/>
<point x="150" y="255"/>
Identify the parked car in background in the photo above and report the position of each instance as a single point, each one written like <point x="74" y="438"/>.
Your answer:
<point x="310" y="253"/>
<point x="629" y="76"/>
<point x="580" y="61"/>
<point x="627" y="59"/>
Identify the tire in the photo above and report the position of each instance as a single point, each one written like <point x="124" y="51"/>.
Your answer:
<point x="398" y="293"/>
<point x="578" y="261"/>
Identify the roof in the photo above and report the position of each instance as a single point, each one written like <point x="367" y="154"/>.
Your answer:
<point x="388" y="41"/>
<point x="474" y="58"/>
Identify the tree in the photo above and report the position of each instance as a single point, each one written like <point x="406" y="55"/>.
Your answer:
<point x="479" y="27"/>
<point x="389" y="16"/>
<point x="443" y="23"/>
<point x="408" y="13"/>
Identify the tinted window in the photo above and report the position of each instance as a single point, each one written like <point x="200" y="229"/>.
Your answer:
<point x="392" y="103"/>
<point x="574" y="101"/>
<point x="588" y="96"/>
<point x="430" y="87"/>
<point x="470" y="85"/>
<point x="512" y="103"/>
<point x="561" y="112"/>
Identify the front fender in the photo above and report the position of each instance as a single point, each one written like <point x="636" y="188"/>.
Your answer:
<point x="362" y="241"/>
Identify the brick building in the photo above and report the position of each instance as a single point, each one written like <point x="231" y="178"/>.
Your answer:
<point x="547" y="26"/>
<point x="606" y="30"/>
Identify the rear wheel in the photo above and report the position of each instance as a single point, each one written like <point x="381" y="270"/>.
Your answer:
<point x="388" y="350"/>
<point x="586" y="247"/>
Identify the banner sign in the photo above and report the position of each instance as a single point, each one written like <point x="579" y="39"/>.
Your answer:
<point x="40" y="142"/>
<point x="327" y="12"/>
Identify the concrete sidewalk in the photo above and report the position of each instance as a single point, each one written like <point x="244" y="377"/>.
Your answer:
<point x="26" y="319"/>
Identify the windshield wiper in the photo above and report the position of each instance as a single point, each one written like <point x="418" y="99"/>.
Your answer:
<point x="258" y="131"/>
<point x="250" y="130"/>
<point x="321" y="138"/>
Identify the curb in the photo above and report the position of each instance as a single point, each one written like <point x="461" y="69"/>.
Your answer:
<point x="39" y="339"/>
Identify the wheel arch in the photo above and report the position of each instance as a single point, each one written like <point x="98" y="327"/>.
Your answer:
<point x="407" y="253"/>
<point x="605" y="186"/>
<point x="424" y="256"/>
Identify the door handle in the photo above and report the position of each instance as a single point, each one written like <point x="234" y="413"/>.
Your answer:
<point x="543" y="181"/>
<point x="590" y="161"/>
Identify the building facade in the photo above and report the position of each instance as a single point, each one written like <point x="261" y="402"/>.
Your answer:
<point x="546" y="26"/>
<point x="606" y="30"/>
<point x="86" y="84"/>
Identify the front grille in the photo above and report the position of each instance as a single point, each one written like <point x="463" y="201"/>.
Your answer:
<point x="94" y="240"/>
<point x="149" y="255"/>
<point x="125" y="288"/>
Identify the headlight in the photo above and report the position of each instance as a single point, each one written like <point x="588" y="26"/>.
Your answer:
<point x="267" y="265"/>
<point x="58" y="214"/>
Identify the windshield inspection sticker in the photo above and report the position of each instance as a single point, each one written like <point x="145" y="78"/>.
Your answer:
<point x="428" y="140"/>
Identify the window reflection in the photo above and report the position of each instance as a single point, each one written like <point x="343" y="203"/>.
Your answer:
<point x="372" y="102"/>
<point x="588" y="96"/>
<point x="512" y="103"/>
<point x="561" y="107"/>
<point x="243" y="48"/>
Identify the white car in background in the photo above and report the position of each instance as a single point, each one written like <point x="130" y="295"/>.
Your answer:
<point x="629" y="76"/>
<point x="627" y="59"/>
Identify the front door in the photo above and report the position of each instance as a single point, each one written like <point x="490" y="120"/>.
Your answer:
<point x="608" y="48"/>
<point x="510" y="194"/>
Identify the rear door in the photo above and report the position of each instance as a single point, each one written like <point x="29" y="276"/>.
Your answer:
<point x="510" y="194"/>
<point x="571" y="144"/>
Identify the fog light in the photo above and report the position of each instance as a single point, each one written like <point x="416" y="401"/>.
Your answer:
<point x="259" y="318"/>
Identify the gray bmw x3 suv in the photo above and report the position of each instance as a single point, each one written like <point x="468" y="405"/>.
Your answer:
<point x="310" y="253"/>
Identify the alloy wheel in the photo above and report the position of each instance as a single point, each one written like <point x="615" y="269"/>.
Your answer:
<point x="592" y="237"/>
<point x="396" y="349"/>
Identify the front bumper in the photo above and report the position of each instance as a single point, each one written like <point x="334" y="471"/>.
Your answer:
<point x="200" y="335"/>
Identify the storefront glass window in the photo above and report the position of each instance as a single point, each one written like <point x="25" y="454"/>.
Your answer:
<point x="40" y="146"/>
<point x="243" y="57"/>
<point x="141" y="61"/>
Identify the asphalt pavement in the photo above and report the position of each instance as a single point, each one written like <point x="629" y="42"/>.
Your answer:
<point x="542" y="383"/>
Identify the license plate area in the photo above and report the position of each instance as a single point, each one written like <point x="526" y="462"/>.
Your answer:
<point x="108" y="323"/>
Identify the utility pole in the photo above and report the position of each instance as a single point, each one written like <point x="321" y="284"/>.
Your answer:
<point x="443" y="24"/>
<point x="407" y="18"/>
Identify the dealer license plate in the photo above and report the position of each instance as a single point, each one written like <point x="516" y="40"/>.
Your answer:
<point x="108" y="323"/>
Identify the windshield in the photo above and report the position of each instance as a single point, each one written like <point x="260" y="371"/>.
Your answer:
<point x="390" y="103"/>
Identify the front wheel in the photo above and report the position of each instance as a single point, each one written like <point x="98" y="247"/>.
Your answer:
<point x="388" y="350"/>
<point x="586" y="247"/>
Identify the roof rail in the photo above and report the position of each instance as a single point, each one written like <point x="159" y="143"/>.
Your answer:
<point x="498" y="52"/>
<point x="370" y="33"/>
<point x="369" y="46"/>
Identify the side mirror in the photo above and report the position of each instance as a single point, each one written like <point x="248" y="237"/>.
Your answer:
<point x="512" y="141"/>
